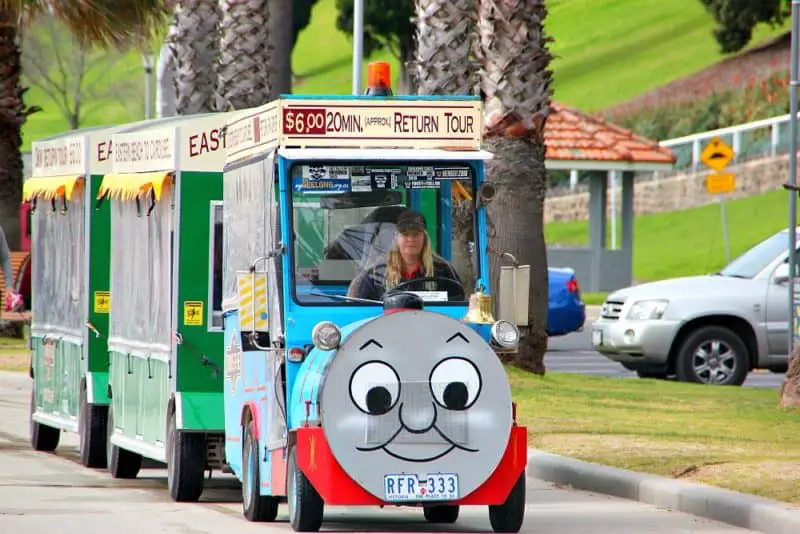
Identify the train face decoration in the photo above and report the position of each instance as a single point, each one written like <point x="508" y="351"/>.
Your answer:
<point x="283" y="342"/>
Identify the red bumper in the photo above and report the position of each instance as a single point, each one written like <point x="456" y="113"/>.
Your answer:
<point x="336" y="488"/>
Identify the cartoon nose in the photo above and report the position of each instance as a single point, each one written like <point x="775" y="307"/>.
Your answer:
<point x="418" y="418"/>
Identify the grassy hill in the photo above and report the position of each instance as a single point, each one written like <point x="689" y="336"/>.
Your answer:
<point x="607" y="51"/>
<point x="689" y="242"/>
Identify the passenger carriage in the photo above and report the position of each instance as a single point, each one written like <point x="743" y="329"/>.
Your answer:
<point x="336" y="400"/>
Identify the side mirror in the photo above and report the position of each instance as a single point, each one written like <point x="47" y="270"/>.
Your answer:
<point x="781" y="274"/>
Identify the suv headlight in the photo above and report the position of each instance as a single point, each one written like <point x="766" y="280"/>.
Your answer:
<point x="326" y="336"/>
<point x="643" y="310"/>
<point x="505" y="334"/>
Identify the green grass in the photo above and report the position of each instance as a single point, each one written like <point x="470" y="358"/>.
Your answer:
<point x="607" y="51"/>
<point x="14" y="354"/>
<point x="732" y="437"/>
<point x="689" y="242"/>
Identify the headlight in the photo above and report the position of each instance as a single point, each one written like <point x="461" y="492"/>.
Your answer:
<point x="505" y="334"/>
<point x="643" y="310"/>
<point x="326" y="336"/>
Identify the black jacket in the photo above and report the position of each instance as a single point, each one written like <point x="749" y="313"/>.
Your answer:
<point x="370" y="284"/>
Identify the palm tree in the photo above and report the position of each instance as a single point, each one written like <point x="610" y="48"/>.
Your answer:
<point x="193" y="42"/>
<point x="244" y="68"/>
<point x="444" y="38"/>
<point x="516" y="84"/>
<point x="107" y="23"/>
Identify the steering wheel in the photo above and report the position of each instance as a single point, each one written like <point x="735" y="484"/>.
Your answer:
<point x="453" y="283"/>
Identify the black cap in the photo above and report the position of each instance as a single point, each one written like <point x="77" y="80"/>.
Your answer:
<point x="410" y="220"/>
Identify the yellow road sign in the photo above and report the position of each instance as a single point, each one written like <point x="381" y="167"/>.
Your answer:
<point x="193" y="312"/>
<point x="102" y="301"/>
<point x="720" y="183"/>
<point x="717" y="154"/>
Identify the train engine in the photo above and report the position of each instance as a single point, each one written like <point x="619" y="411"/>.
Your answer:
<point x="411" y="407"/>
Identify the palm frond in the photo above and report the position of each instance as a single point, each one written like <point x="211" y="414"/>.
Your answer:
<point x="108" y="23"/>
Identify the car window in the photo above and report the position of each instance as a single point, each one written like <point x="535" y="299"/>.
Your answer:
<point x="757" y="258"/>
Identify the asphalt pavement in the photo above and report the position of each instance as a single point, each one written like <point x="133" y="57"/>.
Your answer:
<point x="573" y="354"/>
<point x="44" y="493"/>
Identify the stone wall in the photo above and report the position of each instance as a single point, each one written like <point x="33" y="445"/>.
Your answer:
<point x="678" y="192"/>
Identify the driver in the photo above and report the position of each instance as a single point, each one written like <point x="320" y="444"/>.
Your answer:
<point x="410" y="258"/>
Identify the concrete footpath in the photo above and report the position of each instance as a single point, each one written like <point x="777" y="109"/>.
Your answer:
<point x="733" y="508"/>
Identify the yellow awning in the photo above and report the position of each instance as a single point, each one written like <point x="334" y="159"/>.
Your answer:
<point x="134" y="185"/>
<point x="49" y="187"/>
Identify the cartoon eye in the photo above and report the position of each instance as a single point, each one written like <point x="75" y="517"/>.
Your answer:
<point x="455" y="383"/>
<point x="375" y="387"/>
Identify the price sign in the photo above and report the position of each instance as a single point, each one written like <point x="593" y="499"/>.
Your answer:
<point x="304" y="121"/>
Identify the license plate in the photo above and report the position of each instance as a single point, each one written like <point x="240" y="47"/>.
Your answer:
<point x="597" y="337"/>
<point x="432" y="487"/>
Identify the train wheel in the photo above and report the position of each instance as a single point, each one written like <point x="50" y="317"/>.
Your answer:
<point x="441" y="514"/>
<point x="186" y="463"/>
<point x="256" y="507"/>
<point x="93" y="433"/>
<point x="508" y="517"/>
<point x="43" y="438"/>
<point x="305" y="504"/>
<point x="121" y="463"/>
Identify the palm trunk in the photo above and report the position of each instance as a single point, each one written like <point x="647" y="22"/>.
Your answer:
<point x="516" y="83"/>
<point x="13" y="113"/>
<point x="245" y="71"/>
<point x="790" y="390"/>
<point x="194" y="47"/>
<point x="282" y="35"/>
<point x="444" y="35"/>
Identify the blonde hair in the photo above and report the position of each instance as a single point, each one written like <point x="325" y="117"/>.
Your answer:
<point x="394" y="264"/>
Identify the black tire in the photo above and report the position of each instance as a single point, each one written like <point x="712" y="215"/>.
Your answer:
<point x="730" y="344"/>
<point x="305" y="505"/>
<point x="121" y="463"/>
<point x="256" y="507"/>
<point x="43" y="438"/>
<point x="509" y="516"/>
<point x="441" y="514"/>
<point x="186" y="463"/>
<point x="93" y="433"/>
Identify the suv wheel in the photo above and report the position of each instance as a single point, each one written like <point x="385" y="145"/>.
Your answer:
<point x="713" y="355"/>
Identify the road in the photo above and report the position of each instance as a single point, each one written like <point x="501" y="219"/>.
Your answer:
<point x="573" y="354"/>
<point x="52" y="493"/>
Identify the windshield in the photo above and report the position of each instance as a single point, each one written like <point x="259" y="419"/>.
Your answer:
<point x="757" y="258"/>
<point x="345" y="218"/>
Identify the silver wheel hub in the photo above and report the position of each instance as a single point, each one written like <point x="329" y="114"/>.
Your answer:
<point x="714" y="362"/>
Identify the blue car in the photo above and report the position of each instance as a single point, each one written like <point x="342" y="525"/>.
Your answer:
<point x="566" y="312"/>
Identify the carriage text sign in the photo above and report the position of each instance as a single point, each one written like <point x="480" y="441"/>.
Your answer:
<point x="59" y="157"/>
<point x="152" y="150"/>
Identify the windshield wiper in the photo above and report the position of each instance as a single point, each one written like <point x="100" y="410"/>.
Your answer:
<point x="343" y="297"/>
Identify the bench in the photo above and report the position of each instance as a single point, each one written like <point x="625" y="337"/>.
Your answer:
<point x="17" y="259"/>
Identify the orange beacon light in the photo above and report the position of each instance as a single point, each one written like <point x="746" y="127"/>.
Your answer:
<point x="379" y="80"/>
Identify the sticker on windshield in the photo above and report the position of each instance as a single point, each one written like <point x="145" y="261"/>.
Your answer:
<point x="421" y="173"/>
<point x="383" y="180"/>
<point x="452" y="173"/>
<point x="361" y="184"/>
<point x="322" y="179"/>
<point x="422" y="184"/>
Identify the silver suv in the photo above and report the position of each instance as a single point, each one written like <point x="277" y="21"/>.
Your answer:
<point x="711" y="329"/>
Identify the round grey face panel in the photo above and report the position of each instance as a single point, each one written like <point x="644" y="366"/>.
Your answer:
<point x="416" y="393"/>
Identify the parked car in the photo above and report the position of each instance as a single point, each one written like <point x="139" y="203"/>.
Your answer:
<point x="566" y="312"/>
<point x="711" y="329"/>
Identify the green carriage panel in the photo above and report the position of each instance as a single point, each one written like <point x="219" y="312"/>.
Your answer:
<point x="165" y="343"/>
<point x="69" y="267"/>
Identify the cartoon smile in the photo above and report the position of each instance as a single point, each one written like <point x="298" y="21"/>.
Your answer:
<point x="446" y="446"/>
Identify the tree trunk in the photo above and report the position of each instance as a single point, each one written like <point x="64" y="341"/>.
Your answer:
<point x="194" y="47"/>
<point x="13" y="113"/>
<point x="790" y="390"/>
<point x="165" y="84"/>
<point x="245" y="61"/>
<point x="281" y="33"/>
<point x="516" y="86"/>
<point x="516" y="215"/>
